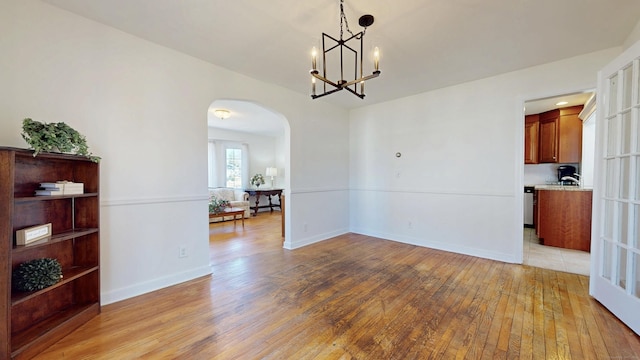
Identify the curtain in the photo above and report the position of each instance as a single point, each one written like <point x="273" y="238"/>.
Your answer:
<point x="245" y="166"/>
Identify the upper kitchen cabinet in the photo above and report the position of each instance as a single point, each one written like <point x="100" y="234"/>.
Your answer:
<point x="548" y="146"/>
<point x="560" y="137"/>
<point x="531" y="126"/>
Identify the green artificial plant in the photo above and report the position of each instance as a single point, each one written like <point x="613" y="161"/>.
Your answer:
<point x="55" y="137"/>
<point x="36" y="274"/>
<point x="216" y="206"/>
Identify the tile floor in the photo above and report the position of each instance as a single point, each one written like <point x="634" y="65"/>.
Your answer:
<point x="549" y="257"/>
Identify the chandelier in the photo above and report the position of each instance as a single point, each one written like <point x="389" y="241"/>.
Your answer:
<point x="330" y="46"/>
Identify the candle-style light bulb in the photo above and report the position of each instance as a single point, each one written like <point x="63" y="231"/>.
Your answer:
<point x="361" y="87"/>
<point x="313" y="85"/>
<point x="376" y="58"/>
<point x="314" y="55"/>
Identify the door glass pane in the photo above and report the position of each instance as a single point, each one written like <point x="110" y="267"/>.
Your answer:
<point x="635" y="114"/>
<point x="613" y="94"/>
<point x="627" y="135"/>
<point x="636" y="272"/>
<point x="637" y="179"/>
<point x="612" y="136"/>
<point x="622" y="267"/>
<point x="623" y="229"/>
<point x="627" y="81"/>
<point x="624" y="177"/>
<point x="608" y="219"/>
<point x="611" y="185"/>
<point x="638" y="82"/>
<point x="607" y="259"/>
<point x="635" y="240"/>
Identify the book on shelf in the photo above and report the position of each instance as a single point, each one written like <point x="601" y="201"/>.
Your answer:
<point x="50" y="185"/>
<point x="60" y="188"/>
<point x="49" y="192"/>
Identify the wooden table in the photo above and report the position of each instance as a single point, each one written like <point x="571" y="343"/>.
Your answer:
<point x="230" y="212"/>
<point x="268" y="193"/>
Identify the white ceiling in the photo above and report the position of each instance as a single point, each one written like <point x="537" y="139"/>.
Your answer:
<point x="425" y="44"/>
<point x="538" y="106"/>
<point x="246" y="117"/>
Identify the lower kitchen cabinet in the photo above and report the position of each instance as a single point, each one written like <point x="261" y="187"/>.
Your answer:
<point x="564" y="218"/>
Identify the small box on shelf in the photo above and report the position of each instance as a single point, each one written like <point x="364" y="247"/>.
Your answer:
<point x="33" y="234"/>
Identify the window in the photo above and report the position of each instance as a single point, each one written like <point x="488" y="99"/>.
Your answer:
<point x="228" y="164"/>
<point x="234" y="168"/>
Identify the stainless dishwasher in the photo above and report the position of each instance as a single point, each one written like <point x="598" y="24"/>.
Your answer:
<point x="528" y="206"/>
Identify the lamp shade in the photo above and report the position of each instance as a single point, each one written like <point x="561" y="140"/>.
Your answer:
<point x="272" y="171"/>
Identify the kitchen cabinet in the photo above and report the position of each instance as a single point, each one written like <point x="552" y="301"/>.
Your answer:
<point x="548" y="144"/>
<point x="564" y="218"/>
<point x="531" y="126"/>
<point x="560" y="137"/>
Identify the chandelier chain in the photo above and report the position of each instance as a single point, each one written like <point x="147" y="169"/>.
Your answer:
<point x="343" y="17"/>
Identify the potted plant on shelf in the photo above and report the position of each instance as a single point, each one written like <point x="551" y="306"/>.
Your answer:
<point x="55" y="137"/>
<point x="257" y="180"/>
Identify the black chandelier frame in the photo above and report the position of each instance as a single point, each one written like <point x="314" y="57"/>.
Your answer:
<point x="343" y="46"/>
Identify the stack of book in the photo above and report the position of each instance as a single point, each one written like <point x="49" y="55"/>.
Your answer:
<point x="60" y="188"/>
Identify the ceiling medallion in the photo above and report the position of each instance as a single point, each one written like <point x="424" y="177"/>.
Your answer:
<point x="344" y="48"/>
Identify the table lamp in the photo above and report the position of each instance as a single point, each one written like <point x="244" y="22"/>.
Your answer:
<point x="272" y="172"/>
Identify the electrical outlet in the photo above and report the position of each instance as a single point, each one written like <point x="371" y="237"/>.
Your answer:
<point x="410" y="225"/>
<point x="306" y="227"/>
<point x="183" y="252"/>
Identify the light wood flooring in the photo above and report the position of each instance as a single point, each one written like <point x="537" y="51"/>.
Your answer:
<point x="353" y="297"/>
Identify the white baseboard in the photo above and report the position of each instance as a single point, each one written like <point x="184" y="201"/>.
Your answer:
<point x="458" y="249"/>
<point x="314" y="239"/>
<point x="152" y="285"/>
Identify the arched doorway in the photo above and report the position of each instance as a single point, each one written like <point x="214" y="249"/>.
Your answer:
<point x="265" y="134"/>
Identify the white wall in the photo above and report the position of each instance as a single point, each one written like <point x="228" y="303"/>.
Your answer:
<point x="458" y="184"/>
<point x="633" y="37"/>
<point x="143" y="109"/>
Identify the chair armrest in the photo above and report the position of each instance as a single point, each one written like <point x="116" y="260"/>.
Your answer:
<point x="241" y="195"/>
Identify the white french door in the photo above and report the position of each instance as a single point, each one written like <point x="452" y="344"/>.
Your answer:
<point x="615" y="270"/>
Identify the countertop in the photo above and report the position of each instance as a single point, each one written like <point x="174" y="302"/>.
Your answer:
<point x="561" y="187"/>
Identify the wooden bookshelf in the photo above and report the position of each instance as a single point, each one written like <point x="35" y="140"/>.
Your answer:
<point x="32" y="321"/>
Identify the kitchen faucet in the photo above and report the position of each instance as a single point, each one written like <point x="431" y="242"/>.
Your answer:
<point x="570" y="178"/>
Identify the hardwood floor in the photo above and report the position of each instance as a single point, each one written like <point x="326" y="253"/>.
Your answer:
<point x="353" y="297"/>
